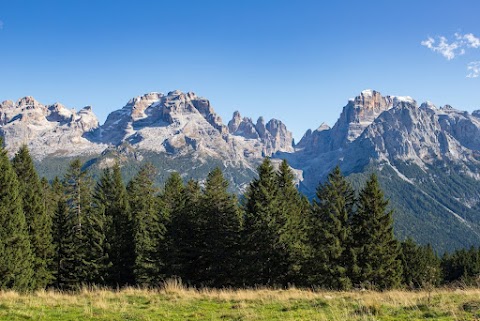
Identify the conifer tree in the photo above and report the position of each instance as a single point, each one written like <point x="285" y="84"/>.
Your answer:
<point x="218" y="233"/>
<point x="375" y="250"/>
<point x="172" y="203"/>
<point x="421" y="266"/>
<point x="46" y="196"/>
<point x="292" y="223"/>
<point x="264" y="257"/>
<point x="39" y="222"/>
<point x="53" y="193"/>
<point x="63" y="233"/>
<point x="330" y="232"/>
<point x="462" y="265"/>
<point x="183" y="235"/>
<point x="172" y="196"/>
<point x="87" y="260"/>
<point x="148" y="228"/>
<point x="112" y="202"/>
<point x="16" y="258"/>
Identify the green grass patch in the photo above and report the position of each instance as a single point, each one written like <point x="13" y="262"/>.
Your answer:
<point x="246" y="305"/>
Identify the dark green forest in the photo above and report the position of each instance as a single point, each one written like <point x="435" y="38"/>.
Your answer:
<point x="75" y="231"/>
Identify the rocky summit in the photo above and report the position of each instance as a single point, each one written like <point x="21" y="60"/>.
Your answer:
<point x="426" y="157"/>
<point x="48" y="129"/>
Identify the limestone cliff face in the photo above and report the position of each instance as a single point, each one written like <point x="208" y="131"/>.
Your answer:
<point x="47" y="129"/>
<point x="273" y="135"/>
<point x="357" y="115"/>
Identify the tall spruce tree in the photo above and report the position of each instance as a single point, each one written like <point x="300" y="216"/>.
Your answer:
<point x="264" y="256"/>
<point x="112" y="202"/>
<point x="375" y="251"/>
<point x="39" y="222"/>
<point x="330" y="232"/>
<point x="148" y="227"/>
<point x="172" y="196"/>
<point x="63" y="232"/>
<point x="292" y="223"/>
<point x="16" y="258"/>
<point x="87" y="261"/>
<point x="183" y="235"/>
<point x="218" y="234"/>
<point x="172" y="203"/>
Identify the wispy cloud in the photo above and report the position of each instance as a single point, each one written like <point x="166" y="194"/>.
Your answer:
<point x="468" y="40"/>
<point x="1" y="24"/>
<point x="443" y="47"/>
<point x="451" y="49"/>
<point x="456" y="47"/>
<point x="473" y="69"/>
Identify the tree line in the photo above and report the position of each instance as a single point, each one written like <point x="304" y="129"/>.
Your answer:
<point x="75" y="231"/>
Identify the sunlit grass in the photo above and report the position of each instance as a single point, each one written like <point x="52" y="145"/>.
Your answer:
<point x="173" y="301"/>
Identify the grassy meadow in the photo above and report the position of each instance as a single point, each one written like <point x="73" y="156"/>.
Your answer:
<point x="174" y="302"/>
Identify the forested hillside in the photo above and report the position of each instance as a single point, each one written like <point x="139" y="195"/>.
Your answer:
<point x="74" y="231"/>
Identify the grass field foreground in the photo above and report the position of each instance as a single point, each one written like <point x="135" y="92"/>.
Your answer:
<point x="174" y="302"/>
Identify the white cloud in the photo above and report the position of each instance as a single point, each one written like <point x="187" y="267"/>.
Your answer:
<point x="468" y="40"/>
<point x="451" y="49"/>
<point x="443" y="47"/>
<point x="474" y="69"/>
<point x="458" y="47"/>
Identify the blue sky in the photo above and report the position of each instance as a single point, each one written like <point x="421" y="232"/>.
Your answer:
<point x="298" y="61"/>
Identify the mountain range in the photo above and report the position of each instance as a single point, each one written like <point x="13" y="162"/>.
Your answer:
<point x="427" y="157"/>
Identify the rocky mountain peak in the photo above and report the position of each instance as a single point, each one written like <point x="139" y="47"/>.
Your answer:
<point x="357" y="115"/>
<point x="371" y="99"/>
<point x="140" y="103"/>
<point x="47" y="129"/>
<point x="86" y="119"/>
<point x="428" y="105"/>
<point x="7" y="104"/>
<point x="27" y="101"/>
<point x="322" y="127"/>
<point x="447" y="107"/>
<point x="59" y="113"/>
<point x="281" y="139"/>
<point x="176" y="92"/>
<point x="274" y="134"/>
<point x="235" y="122"/>
<point x="398" y="100"/>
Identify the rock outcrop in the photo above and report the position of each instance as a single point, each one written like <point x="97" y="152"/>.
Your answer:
<point x="48" y="129"/>
<point x="274" y="135"/>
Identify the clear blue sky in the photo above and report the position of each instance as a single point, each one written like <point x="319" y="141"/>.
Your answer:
<point x="298" y="61"/>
